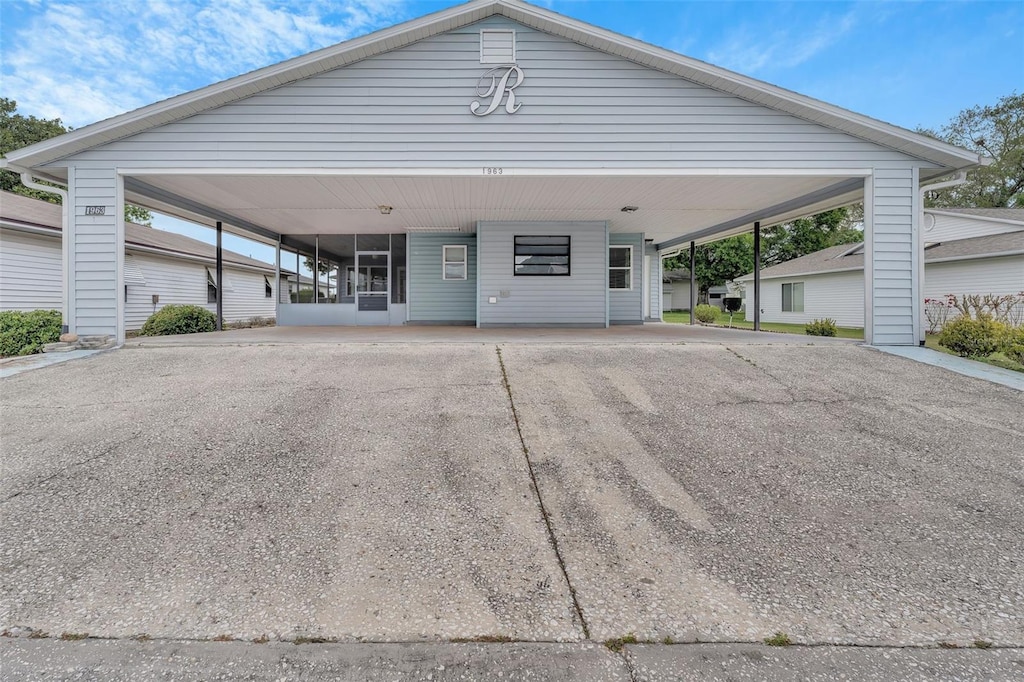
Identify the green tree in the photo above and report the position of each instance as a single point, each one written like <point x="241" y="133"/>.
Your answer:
<point x="807" y="235"/>
<point x="725" y="260"/>
<point x="996" y="131"/>
<point x="17" y="131"/>
<point x="718" y="262"/>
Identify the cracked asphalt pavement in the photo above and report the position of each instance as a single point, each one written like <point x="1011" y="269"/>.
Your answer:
<point x="383" y="493"/>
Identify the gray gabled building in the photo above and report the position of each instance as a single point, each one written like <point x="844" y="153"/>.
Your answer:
<point x="494" y="163"/>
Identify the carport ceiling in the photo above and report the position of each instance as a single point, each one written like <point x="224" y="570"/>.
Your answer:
<point x="668" y="206"/>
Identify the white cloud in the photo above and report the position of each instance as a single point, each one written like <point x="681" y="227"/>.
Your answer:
<point x="88" y="60"/>
<point x="751" y="50"/>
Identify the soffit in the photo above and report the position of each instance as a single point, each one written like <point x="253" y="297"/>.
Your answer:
<point x="669" y="206"/>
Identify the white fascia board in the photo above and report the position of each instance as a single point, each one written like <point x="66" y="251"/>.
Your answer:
<point x="748" y="278"/>
<point x="975" y="256"/>
<point x="972" y="216"/>
<point x="357" y="49"/>
<point x="29" y="228"/>
<point x="950" y="259"/>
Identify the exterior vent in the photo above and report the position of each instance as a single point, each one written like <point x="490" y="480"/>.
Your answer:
<point x="497" y="46"/>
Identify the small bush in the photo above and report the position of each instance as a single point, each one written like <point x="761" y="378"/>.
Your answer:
<point x="1013" y="344"/>
<point x="826" y="327"/>
<point x="24" y="333"/>
<point x="179" y="319"/>
<point x="973" y="338"/>
<point x="706" y="313"/>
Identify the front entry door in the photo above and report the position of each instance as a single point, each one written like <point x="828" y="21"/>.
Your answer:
<point x="373" y="288"/>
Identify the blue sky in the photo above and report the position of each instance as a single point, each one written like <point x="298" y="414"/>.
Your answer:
<point x="909" y="63"/>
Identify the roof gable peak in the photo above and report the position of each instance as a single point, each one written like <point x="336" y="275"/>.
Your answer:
<point x="401" y="35"/>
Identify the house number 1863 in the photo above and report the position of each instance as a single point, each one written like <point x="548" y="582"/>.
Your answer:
<point x="494" y="171"/>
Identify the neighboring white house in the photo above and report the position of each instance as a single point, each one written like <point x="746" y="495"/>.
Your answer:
<point x="967" y="251"/>
<point x="159" y="268"/>
<point x="675" y="292"/>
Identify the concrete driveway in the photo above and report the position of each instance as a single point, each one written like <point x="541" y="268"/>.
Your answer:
<point x="533" y="492"/>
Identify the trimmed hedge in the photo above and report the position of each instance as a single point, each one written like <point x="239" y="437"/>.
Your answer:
<point x="24" y="333"/>
<point x="179" y="319"/>
<point x="706" y="313"/>
<point x="826" y="327"/>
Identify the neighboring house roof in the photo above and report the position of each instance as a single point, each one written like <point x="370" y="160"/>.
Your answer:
<point x="1014" y="215"/>
<point x="18" y="209"/>
<point x="851" y="256"/>
<point x="358" y="49"/>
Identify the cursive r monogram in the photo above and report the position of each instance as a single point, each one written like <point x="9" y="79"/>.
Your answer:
<point x="496" y="90"/>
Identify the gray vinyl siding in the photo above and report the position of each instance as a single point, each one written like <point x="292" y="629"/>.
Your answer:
<point x="96" y="251"/>
<point x="183" y="282"/>
<point x="30" y="271"/>
<point x="893" y="258"/>
<point x="410" y="107"/>
<point x="581" y="299"/>
<point x="626" y="305"/>
<point x="431" y="298"/>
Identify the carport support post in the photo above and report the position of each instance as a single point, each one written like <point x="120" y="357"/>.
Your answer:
<point x="277" y="281"/>
<point x="693" y="280"/>
<point x="220" y="276"/>
<point x="757" y="277"/>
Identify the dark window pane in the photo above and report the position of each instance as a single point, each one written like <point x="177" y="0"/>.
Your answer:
<point x="618" y="257"/>
<point x="542" y="240"/>
<point x="372" y="242"/>
<point x="618" y="279"/>
<point x="542" y="255"/>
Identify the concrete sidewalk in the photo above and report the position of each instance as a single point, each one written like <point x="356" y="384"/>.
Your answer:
<point x="25" y="660"/>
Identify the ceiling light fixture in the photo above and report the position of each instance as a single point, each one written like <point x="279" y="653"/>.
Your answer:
<point x="385" y="210"/>
<point x="630" y="209"/>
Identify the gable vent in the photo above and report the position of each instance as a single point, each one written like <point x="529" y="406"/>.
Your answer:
<point x="497" y="46"/>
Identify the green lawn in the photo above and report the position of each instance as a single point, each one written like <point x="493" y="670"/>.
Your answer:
<point x="739" y="322"/>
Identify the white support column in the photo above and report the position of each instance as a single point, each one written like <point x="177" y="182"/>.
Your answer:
<point x="277" y="280"/>
<point x="95" y="252"/>
<point x="892" y="312"/>
<point x="869" y="260"/>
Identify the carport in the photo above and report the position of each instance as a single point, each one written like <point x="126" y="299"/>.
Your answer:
<point x="422" y="166"/>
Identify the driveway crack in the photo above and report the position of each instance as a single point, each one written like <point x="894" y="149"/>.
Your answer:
<point x="540" y="499"/>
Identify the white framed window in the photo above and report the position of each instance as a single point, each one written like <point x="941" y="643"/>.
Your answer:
<point x="620" y="267"/>
<point x="454" y="265"/>
<point x="793" y="297"/>
<point x="497" y="46"/>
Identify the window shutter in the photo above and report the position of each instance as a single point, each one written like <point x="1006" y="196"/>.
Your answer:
<point x="497" y="46"/>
